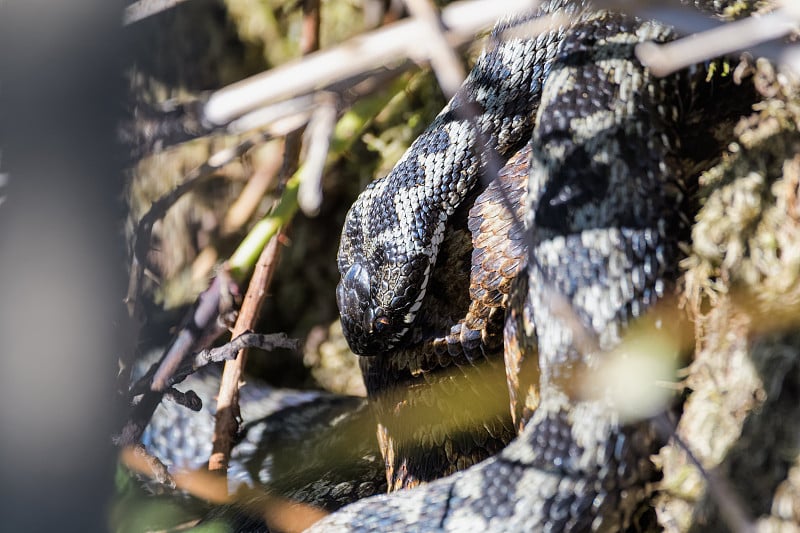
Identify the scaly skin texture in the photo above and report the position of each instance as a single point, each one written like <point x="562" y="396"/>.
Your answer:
<point x="303" y="445"/>
<point x="392" y="234"/>
<point x="605" y="214"/>
<point x="441" y="400"/>
<point x="432" y="424"/>
<point x="427" y="402"/>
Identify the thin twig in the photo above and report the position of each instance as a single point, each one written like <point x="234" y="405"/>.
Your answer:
<point x="732" y="509"/>
<point x="228" y="416"/>
<point x="208" y="308"/>
<point x="535" y="26"/>
<point x="444" y="59"/>
<point x="309" y="35"/>
<point x="584" y="339"/>
<point x="200" y="326"/>
<point x="350" y="59"/>
<point x="155" y="127"/>
<point x="220" y="354"/>
<point x="159" y="208"/>
<point x="664" y="59"/>
<point x="137" y="459"/>
<point x="228" y="352"/>
<point x="263" y="179"/>
<point x="188" y="399"/>
<point x="278" y="111"/>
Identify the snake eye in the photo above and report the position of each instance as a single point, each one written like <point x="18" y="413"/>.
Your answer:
<point x="381" y="324"/>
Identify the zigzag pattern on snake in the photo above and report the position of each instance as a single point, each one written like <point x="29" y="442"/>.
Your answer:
<point x="598" y="157"/>
<point x="612" y="151"/>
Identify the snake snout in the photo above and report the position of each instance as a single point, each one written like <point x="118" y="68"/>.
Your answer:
<point x="353" y="296"/>
<point x="369" y="327"/>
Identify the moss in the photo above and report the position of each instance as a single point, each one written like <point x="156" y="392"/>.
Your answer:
<point x="742" y="417"/>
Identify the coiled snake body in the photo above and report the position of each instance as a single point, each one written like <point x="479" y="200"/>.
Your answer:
<point x="597" y="157"/>
<point x="610" y="153"/>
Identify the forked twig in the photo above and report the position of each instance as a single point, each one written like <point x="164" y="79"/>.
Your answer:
<point x="228" y="414"/>
<point x="227" y="417"/>
<point x="200" y="327"/>
<point x="393" y="43"/>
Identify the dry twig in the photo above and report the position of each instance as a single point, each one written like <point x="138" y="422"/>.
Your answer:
<point x="444" y="59"/>
<point x="137" y="459"/>
<point x="228" y="415"/>
<point x="141" y="239"/>
<point x="200" y="327"/>
<point x="317" y="144"/>
<point x="351" y="59"/>
<point x="220" y="354"/>
<point x="664" y="59"/>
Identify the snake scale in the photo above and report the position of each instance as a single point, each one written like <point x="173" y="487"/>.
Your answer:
<point x="610" y="151"/>
<point x="454" y="284"/>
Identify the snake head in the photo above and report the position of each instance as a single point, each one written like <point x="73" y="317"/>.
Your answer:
<point x="378" y="309"/>
<point x="389" y="244"/>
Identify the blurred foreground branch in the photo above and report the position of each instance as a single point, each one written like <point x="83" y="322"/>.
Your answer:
<point x="320" y="70"/>
<point x="664" y="59"/>
<point x="278" y="513"/>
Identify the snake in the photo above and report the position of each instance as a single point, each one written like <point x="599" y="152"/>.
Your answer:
<point x="503" y="259"/>
<point x="304" y="445"/>
<point x="610" y="154"/>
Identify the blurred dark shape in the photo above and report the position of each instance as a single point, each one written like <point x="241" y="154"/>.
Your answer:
<point x="61" y="268"/>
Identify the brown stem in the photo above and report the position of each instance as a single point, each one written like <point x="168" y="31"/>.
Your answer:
<point x="159" y="208"/>
<point x="227" y="418"/>
<point x="228" y="415"/>
<point x="309" y="40"/>
<point x="199" y="328"/>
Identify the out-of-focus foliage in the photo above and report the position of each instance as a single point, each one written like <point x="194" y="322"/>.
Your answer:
<point x="136" y="511"/>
